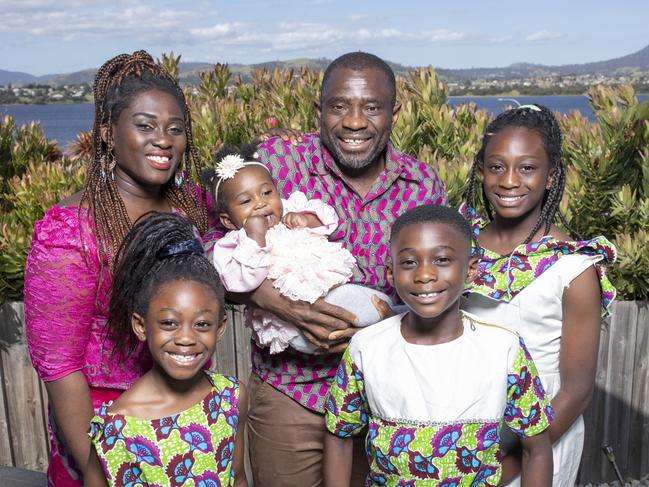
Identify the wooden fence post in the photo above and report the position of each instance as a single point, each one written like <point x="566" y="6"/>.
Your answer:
<point x="23" y="422"/>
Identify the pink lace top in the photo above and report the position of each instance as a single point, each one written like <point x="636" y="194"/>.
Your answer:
<point x="65" y="313"/>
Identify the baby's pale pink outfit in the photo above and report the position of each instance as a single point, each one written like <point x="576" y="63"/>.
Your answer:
<point x="302" y="262"/>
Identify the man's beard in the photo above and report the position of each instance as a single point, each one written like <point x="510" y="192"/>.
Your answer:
<point x="354" y="164"/>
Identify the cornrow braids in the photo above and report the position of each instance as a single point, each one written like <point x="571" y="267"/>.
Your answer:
<point x="540" y="119"/>
<point x="117" y="83"/>
<point x="160" y="248"/>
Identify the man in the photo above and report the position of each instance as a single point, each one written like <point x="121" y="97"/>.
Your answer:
<point x="352" y="166"/>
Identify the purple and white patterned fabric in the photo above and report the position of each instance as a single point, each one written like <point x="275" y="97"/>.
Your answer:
<point x="364" y="230"/>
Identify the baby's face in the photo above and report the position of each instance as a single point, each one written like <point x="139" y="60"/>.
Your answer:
<point x="251" y="193"/>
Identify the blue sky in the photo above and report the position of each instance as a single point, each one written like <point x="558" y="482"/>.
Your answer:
<point x="47" y="36"/>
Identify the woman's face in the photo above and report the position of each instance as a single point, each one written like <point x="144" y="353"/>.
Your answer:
<point x="149" y="140"/>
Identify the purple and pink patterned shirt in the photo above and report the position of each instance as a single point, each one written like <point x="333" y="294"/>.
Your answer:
<point x="364" y="230"/>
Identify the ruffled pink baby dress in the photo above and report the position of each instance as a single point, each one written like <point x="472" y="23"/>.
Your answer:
<point x="303" y="264"/>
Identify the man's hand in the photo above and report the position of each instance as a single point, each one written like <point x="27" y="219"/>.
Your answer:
<point x="287" y="135"/>
<point x="256" y="228"/>
<point x="383" y="307"/>
<point x="317" y="321"/>
<point x="339" y="338"/>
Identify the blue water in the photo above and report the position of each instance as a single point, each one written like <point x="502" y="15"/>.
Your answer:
<point x="63" y="122"/>
<point x="59" y="122"/>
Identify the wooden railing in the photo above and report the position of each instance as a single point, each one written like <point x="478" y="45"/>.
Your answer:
<point x="618" y="415"/>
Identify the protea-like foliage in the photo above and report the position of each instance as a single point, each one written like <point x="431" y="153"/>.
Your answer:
<point x="608" y="161"/>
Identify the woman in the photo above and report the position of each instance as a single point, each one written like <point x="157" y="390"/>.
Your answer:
<point x="142" y="149"/>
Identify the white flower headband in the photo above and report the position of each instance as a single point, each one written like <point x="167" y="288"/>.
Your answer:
<point x="229" y="166"/>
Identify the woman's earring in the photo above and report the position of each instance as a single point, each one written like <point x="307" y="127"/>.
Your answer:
<point x="180" y="178"/>
<point x="111" y="168"/>
<point x="102" y="171"/>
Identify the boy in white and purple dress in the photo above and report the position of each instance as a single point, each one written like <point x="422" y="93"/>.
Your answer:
<point x="433" y="384"/>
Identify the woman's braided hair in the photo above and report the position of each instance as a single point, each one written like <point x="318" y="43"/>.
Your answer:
<point x="117" y="83"/>
<point x="542" y="121"/>
<point x="160" y="248"/>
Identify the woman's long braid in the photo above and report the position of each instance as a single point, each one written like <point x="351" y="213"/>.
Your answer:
<point x="117" y="82"/>
<point x="542" y="121"/>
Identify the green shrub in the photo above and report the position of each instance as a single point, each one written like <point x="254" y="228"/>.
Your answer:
<point x="607" y="191"/>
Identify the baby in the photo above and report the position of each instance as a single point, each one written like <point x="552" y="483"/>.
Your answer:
<point x="282" y="240"/>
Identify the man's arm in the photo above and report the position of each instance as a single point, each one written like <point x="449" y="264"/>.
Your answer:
<point x="337" y="462"/>
<point x="536" y="468"/>
<point x="317" y="320"/>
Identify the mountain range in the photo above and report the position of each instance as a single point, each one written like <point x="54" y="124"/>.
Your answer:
<point x="189" y="72"/>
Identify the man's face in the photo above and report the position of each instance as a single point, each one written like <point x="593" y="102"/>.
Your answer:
<point x="356" y="117"/>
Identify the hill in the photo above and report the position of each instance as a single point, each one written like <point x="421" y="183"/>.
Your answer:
<point x="9" y="77"/>
<point x="189" y="72"/>
<point x="638" y="61"/>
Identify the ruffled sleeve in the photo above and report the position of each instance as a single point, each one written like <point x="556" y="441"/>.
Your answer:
<point x="502" y="277"/>
<point x="60" y="293"/>
<point x="240" y="261"/>
<point x="297" y="202"/>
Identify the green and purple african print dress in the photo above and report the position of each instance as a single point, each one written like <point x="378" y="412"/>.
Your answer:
<point x="434" y="411"/>
<point x="191" y="448"/>
<point x="524" y="292"/>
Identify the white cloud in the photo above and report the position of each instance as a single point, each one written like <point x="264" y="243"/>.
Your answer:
<point x="444" y="35"/>
<point x="142" y="23"/>
<point x="284" y="36"/>
<point x="216" y="31"/>
<point x="541" y="35"/>
<point x="176" y="23"/>
<point x="391" y="34"/>
<point x="499" y="40"/>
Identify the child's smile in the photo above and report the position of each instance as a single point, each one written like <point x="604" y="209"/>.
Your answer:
<point x="181" y="328"/>
<point x="430" y="265"/>
<point x="516" y="172"/>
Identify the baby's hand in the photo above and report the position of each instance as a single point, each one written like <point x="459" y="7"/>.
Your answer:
<point x="295" y="220"/>
<point x="256" y="228"/>
<point x="301" y="220"/>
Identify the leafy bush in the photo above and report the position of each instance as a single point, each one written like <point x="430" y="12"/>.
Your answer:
<point x="608" y="182"/>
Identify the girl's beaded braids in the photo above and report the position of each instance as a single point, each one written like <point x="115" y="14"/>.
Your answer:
<point x="542" y="121"/>
<point x="117" y="83"/>
<point x="160" y="248"/>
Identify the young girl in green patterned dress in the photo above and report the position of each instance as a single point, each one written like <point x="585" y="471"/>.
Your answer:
<point x="179" y="424"/>
<point x="534" y="278"/>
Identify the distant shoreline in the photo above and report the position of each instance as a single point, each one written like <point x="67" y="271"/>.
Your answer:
<point x="503" y="95"/>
